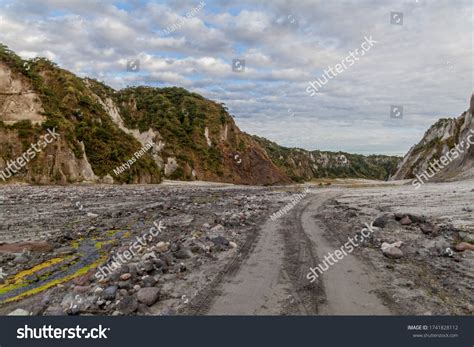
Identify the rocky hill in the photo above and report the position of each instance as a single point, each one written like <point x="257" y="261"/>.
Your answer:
<point x="102" y="130"/>
<point x="302" y="165"/>
<point x="447" y="136"/>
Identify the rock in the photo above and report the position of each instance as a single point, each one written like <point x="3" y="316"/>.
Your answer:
<point x="183" y="253"/>
<point x="21" y="259"/>
<point x="397" y="244"/>
<point x="220" y="240"/>
<point x="406" y="221"/>
<point x="19" y="312"/>
<point x="125" y="276"/>
<point x="429" y="229"/>
<point x="463" y="246"/>
<point x="232" y="244"/>
<point x="92" y="215"/>
<point x="217" y="229"/>
<point x="109" y="293"/>
<point x="162" y="246"/>
<point x="125" y="284"/>
<point x="392" y="252"/>
<point x="81" y="289"/>
<point x="148" y="296"/>
<point x="380" y="221"/>
<point x="128" y="305"/>
<point x="148" y="281"/>
<point x="416" y="218"/>
<point x="470" y="308"/>
<point x="66" y="250"/>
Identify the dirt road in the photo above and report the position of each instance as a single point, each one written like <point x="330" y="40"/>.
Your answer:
<point x="272" y="280"/>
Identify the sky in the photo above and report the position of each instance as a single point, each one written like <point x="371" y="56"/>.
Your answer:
<point x="258" y="58"/>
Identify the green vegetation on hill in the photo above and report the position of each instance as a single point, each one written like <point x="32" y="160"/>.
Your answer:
<point x="302" y="165"/>
<point x="70" y="107"/>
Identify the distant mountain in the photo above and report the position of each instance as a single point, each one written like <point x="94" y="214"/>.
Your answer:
<point x="302" y="165"/>
<point x="448" y="137"/>
<point x="105" y="135"/>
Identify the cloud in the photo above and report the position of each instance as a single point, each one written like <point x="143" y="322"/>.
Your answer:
<point x="424" y="64"/>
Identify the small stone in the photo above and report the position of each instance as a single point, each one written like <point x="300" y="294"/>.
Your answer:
<point x="125" y="276"/>
<point x="109" y="293"/>
<point x="183" y="253"/>
<point x="125" y="284"/>
<point x="218" y="229"/>
<point x="21" y="259"/>
<point x="148" y="296"/>
<point x="380" y="221"/>
<point x="19" y="312"/>
<point x="81" y="289"/>
<point x="162" y="246"/>
<point x="392" y="252"/>
<point x="148" y="281"/>
<point x="232" y="244"/>
<point x="92" y="215"/>
<point x="406" y="221"/>
<point x="128" y="305"/>
<point x="220" y="240"/>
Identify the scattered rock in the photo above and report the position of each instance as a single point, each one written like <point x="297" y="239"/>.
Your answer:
<point x="109" y="293"/>
<point x="220" y="240"/>
<point x="218" y="229"/>
<point x="381" y="221"/>
<point x="148" y="296"/>
<point x="392" y="252"/>
<point x="406" y="221"/>
<point x="183" y="253"/>
<point x="125" y="276"/>
<point x="128" y="305"/>
<point x="429" y="229"/>
<point x="162" y="246"/>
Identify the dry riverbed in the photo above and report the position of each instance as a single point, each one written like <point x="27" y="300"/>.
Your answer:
<point x="217" y="251"/>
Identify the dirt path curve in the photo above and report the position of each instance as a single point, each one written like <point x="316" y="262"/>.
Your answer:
<point x="271" y="280"/>
<point x="349" y="284"/>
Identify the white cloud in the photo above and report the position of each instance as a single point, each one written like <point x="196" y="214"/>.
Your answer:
<point x="424" y="65"/>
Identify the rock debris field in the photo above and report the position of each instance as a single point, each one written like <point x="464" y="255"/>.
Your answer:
<point x="192" y="249"/>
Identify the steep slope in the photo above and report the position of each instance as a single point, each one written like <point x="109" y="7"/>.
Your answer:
<point x="302" y="165"/>
<point x="445" y="135"/>
<point x="101" y="129"/>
